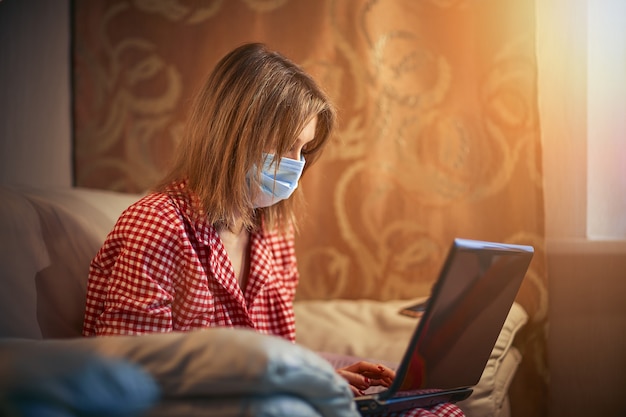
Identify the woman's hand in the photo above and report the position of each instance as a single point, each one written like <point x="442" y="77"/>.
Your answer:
<point x="363" y="375"/>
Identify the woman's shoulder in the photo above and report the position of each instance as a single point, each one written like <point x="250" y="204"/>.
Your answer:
<point x="155" y="202"/>
<point x="156" y="209"/>
<point x="152" y="224"/>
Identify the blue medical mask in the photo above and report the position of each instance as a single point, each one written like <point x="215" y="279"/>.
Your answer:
<point x="277" y="184"/>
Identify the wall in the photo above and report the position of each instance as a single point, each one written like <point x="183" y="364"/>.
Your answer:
<point x="587" y="340"/>
<point x="35" y="123"/>
<point x="587" y="279"/>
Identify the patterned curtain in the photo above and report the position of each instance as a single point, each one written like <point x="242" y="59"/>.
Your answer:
<point x="438" y="137"/>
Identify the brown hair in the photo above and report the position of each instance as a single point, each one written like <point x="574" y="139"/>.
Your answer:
<point x="254" y="101"/>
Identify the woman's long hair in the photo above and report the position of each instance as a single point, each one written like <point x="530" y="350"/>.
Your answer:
<point x="254" y="101"/>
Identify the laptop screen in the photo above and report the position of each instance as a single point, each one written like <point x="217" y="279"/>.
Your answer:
<point x="467" y="308"/>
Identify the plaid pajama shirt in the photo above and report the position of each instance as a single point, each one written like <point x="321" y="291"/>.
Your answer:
<point x="163" y="268"/>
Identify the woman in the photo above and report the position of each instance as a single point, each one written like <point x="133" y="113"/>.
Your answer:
<point x="213" y="245"/>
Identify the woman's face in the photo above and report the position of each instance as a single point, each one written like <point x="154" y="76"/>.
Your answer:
<point x="306" y="135"/>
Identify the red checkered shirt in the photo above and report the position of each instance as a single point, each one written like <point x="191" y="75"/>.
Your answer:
<point x="440" y="410"/>
<point x="163" y="268"/>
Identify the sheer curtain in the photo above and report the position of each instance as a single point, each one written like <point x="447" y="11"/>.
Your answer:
<point x="438" y="136"/>
<point x="606" y="98"/>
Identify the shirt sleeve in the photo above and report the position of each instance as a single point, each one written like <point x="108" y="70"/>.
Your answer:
<point x="131" y="280"/>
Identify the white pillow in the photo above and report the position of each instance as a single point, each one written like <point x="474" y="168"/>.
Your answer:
<point x="210" y="364"/>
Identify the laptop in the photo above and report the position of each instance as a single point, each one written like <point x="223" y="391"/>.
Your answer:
<point x="461" y="322"/>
